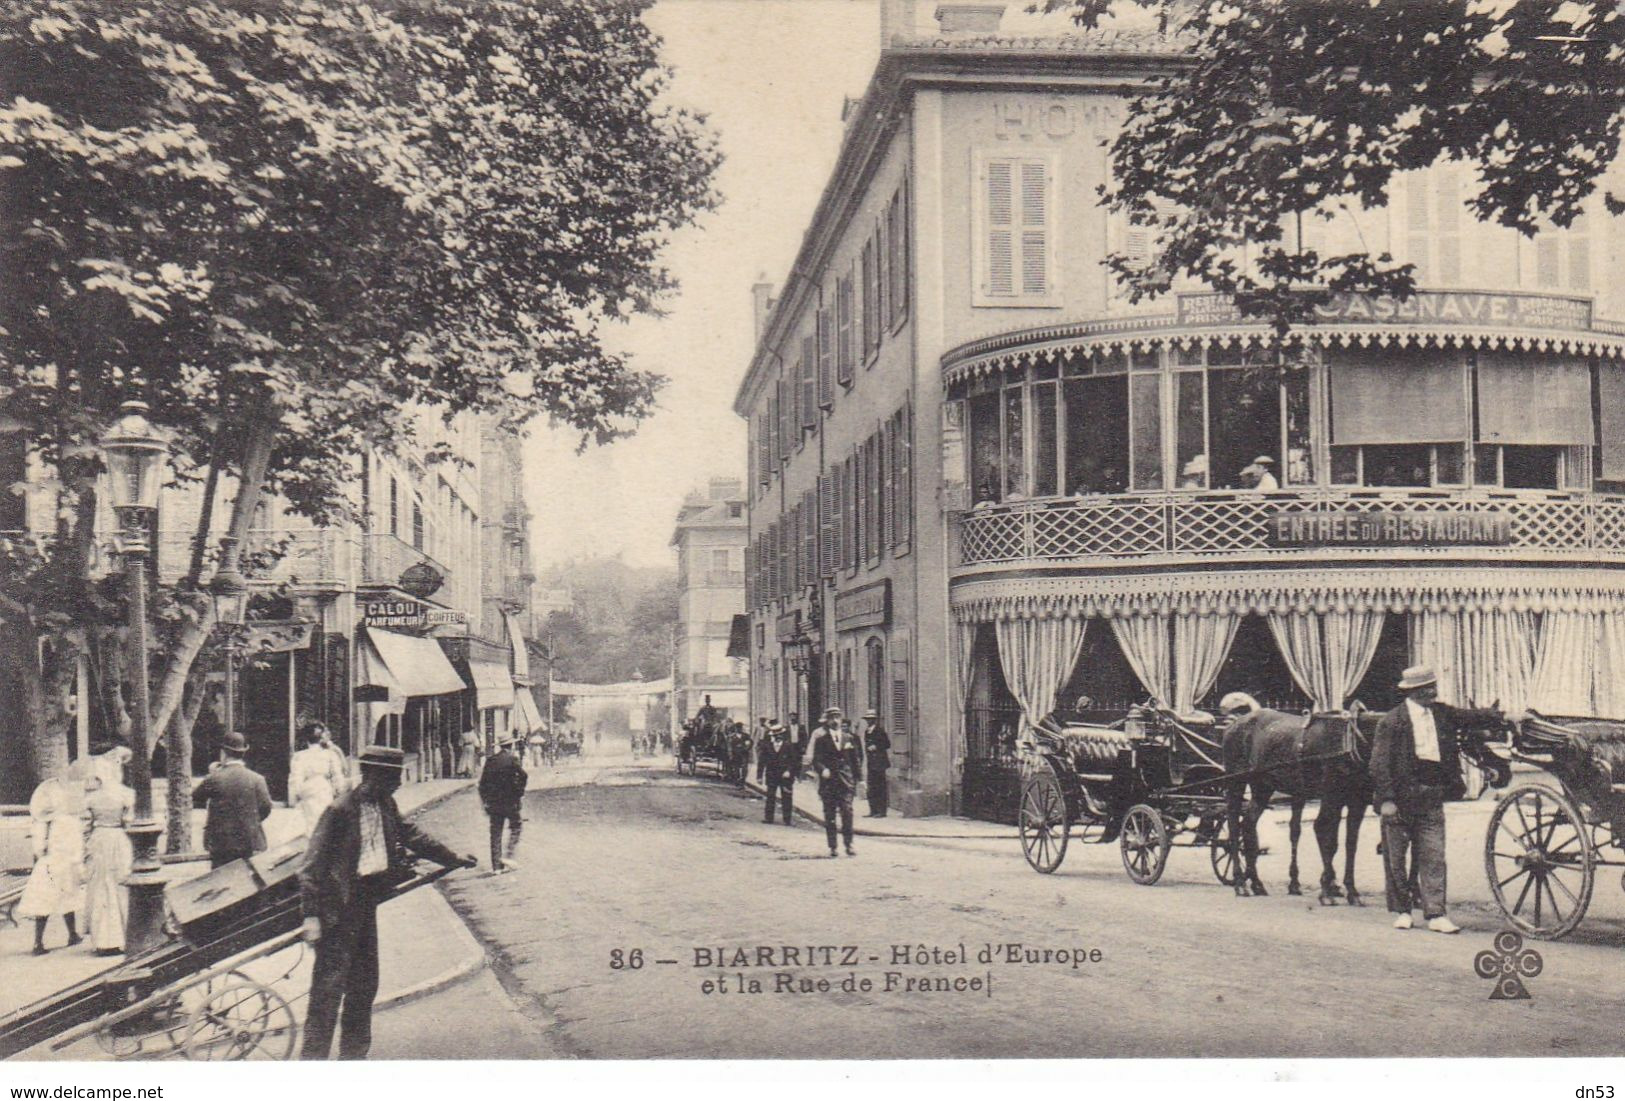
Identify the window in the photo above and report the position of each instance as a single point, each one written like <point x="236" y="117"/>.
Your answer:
<point x="905" y="475"/>
<point x="826" y="359"/>
<point x="417" y="524"/>
<point x="871" y="298"/>
<point x="1015" y="220"/>
<point x="719" y="561"/>
<point x="736" y="509"/>
<point x="1145" y="431"/>
<point x="394" y="507"/>
<point x="888" y="484"/>
<point x="1530" y="467"/>
<point x="809" y="382"/>
<point x="1190" y="430"/>
<point x="783" y="399"/>
<point x="1046" y="441"/>
<point x="1244" y="423"/>
<point x="1015" y="471"/>
<point x="826" y="525"/>
<point x="874" y="652"/>
<point x="845" y="354"/>
<point x="1096" y="434"/>
<point x="1563" y="257"/>
<point x="1433" y="226"/>
<point x="897" y="257"/>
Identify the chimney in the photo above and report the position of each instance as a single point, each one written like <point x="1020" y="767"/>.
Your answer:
<point x="896" y="22"/>
<point x="725" y="489"/>
<point x="761" y="293"/>
<point x="969" y="18"/>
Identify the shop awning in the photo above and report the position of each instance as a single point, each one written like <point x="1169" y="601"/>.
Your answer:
<point x="406" y="665"/>
<point x="526" y="718"/>
<point x="492" y="684"/>
<point x="1383" y="396"/>
<point x="516" y="640"/>
<point x="739" y="637"/>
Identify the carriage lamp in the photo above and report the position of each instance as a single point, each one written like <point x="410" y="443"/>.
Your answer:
<point x="801" y="653"/>
<point x="134" y="451"/>
<point x="228" y="592"/>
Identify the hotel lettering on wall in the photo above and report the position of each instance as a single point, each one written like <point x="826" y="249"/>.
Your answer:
<point x="1476" y="528"/>
<point x="1522" y="311"/>
<point x="869" y="606"/>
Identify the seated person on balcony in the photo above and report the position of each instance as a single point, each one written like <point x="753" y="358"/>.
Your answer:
<point x="1194" y="474"/>
<point x="986" y="495"/>
<point x="1259" y="476"/>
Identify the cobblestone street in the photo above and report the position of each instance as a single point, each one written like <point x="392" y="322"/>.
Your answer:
<point x="639" y="859"/>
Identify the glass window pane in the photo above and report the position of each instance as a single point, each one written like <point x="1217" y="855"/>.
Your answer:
<point x="1397" y="465"/>
<point x="1185" y="357"/>
<point x="1044" y="441"/>
<point x="1300" y="463"/>
<point x="1190" y="418"/>
<point x="1112" y="362"/>
<point x="1244" y="424"/>
<point x="1486" y="465"/>
<point x="1096" y="435"/>
<point x="1145" y="419"/>
<point x="1015" y="431"/>
<point x="1524" y="467"/>
<point x="1345" y="466"/>
<point x="1450" y="463"/>
<point x="987" y="477"/>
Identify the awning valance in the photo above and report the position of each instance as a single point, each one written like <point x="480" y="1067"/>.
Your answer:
<point x="516" y="641"/>
<point x="492" y="684"/>
<point x="526" y="718"/>
<point x="414" y="666"/>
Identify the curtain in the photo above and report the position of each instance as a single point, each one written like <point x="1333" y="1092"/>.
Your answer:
<point x="1481" y="658"/>
<point x="1144" y="641"/>
<point x="962" y="647"/>
<point x="1609" y="677"/>
<point x="1201" y="643"/>
<point x="1564" y="656"/>
<point x="1328" y="654"/>
<point x="1038" y="656"/>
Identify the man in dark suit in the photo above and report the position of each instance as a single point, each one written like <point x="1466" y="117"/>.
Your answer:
<point x="351" y="865"/>
<point x="877" y="754"/>
<point x="502" y="791"/>
<point x="1415" y="769"/>
<point x="238" y="802"/>
<point x="837" y="761"/>
<point x="781" y="760"/>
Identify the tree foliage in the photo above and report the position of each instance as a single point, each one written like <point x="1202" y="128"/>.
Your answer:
<point x="1284" y="110"/>
<point x="620" y="625"/>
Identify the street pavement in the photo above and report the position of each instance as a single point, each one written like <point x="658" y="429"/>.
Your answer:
<point x="624" y="856"/>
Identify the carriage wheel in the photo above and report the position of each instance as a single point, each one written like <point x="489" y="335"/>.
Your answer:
<point x="1043" y="820"/>
<point x="1145" y="844"/>
<point x="1225" y="854"/>
<point x="1540" y="862"/>
<point x="242" y="1021"/>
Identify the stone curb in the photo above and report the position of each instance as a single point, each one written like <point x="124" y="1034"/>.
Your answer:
<point x="870" y="831"/>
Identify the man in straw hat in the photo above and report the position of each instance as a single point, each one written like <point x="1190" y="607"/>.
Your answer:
<point x="347" y="872"/>
<point x="1414" y="770"/>
<point x="238" y="801"/>
<point x="837" y="761"/>
<point x="780" y="761"/>
<point x="1259" y="476"/>
<point x="502" y="791"/>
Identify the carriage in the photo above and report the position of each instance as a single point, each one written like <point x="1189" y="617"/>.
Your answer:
<point x="219" y="987"/>
<point x="703" y="742"/>
<point x="1151" y="782"/>
<point x="1545" y="841"/>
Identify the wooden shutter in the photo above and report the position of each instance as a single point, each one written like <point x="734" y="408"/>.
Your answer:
<point x="1034" y="228"/>
<point x="809" y="381"/>
<point x="826" y="526"/>
<point x="898" y="259"/>
<point x="899" y="689"/>
<point x="764" y="450"/>
<point x="871" y="312"/>
<point x="826" y="360"/>
<point x="809" y="536"/>
<point x="1001" y="228"/>
<point x="888" y="485"/>
<point x="905" y="475"/>
<point x="844" y="336"/>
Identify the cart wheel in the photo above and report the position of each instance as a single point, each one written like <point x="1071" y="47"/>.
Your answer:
<point x="1539" y="859"/>
<point x="1043" y="821"/>
<point x="242" y="1021"/>
<point x="1225" y="855"/>
<point x="1145" y="844"/>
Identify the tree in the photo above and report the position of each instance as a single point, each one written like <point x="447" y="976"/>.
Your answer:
<point x="620" y="625"/>
<point x="288" y="226"/>
<point x="1281" y="111"/>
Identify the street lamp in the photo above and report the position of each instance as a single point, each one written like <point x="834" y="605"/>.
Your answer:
<point x="228" y="592"/>
<point x="134" y="453"/>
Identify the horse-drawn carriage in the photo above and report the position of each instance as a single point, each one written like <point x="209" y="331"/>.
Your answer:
<point x="704" y="742"/>
<point x="1544" y="843"/>
<point x="202" y="994"/>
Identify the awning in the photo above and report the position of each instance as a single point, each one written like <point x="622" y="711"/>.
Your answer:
<point x="406" y="665"/>
<point x="739" y="637"/>
<point x="1383" y="396"/>
<point x="492" y="684"/>
<point x="516" y="640"/>
<point x="526" y="719"/>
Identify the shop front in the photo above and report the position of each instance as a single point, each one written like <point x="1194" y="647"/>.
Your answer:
<point x="407" y="697"/>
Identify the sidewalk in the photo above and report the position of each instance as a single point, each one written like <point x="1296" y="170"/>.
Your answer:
<point x="941" y="828"/>
<point x="424" y="945"/>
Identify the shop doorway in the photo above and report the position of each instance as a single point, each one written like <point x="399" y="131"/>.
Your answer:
<point x="1255" y="666"/>
<point x="1377" y="690"/>
<point x="1103" y="685"/>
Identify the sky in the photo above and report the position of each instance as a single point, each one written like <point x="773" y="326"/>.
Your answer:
<point x="772" y="76"/>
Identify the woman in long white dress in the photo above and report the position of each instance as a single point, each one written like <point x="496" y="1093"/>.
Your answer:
<point x="56" y="886"/>
<point x="111" y="804"/>
<point x="316" y="775"/>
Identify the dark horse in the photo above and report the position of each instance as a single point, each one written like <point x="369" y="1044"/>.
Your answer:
<point x="1325" y="757"/>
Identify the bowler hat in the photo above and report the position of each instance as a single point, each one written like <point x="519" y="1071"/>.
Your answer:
<point x="1417" y="676"/>
<point x="382" y="756"/>
<point x="234" y="744"/>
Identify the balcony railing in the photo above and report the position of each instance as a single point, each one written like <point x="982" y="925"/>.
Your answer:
<point x="385" y="557"/>
<point x="320" y="557"/>
<point x="1180" y="527"/>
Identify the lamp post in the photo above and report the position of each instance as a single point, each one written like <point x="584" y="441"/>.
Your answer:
<point x="229" y="594"/>
<point x="134" y="453"/>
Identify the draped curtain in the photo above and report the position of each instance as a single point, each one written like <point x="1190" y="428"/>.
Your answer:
<point x="1481" y="657"/>
<point x="1144" y="641"/>
<point x="1565" y="655"/>
<point x="1328" y="654"/>
<point x="1201" y="644"/>
<point x="1609" y="677"/>
<point x="962" y="647"/>
<point x="1038" y="656"/>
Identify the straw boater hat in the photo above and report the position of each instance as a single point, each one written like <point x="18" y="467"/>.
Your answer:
<point x="871" y="714"/>
<point x="1263" y="460"/>
<point x="382" y="756"/>
<point x="832" y="712"/>
<point x="1417" y="676"/>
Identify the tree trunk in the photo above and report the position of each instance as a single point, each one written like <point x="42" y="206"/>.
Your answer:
<point x="47" y="740"/>
<point x="178" y="759"/>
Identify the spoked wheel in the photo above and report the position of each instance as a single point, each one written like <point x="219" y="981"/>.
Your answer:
<point x="242" y="1021"/>
<point x="1144" y="841"/>
<point x="1225" y="854"/>
<point x="1043" y="820"/>
<point x="1538" y="856"/>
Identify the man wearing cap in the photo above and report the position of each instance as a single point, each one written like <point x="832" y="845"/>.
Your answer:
<point x="502" y="791"/>
<point x="877" y="758"/>
<point x="837" y="761"/>
<point x="1414" y="770"/>
<point x="1259" y="476"/>
<point x="238" y="801"/>
<point x="780" y="761"/>
<point x="349" y="869"/>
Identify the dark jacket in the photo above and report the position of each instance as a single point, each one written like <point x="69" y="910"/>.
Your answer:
<point x="238" y="802"/>
<point x="780" y="763"/>
<point x="877" y="745"/>
<point x="1394" y="766"/>
<point x="502" y="784"/>
<point x="327" y="879"/>
<point x="845" y="766"/>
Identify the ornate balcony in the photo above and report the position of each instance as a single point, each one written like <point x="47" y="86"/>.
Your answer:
<point x="386" y="557"/>
<point x="320" y="558"/>
<point x="1309" y="524"/>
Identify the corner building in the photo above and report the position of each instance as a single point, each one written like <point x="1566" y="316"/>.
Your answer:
<point x="985" y="486"/>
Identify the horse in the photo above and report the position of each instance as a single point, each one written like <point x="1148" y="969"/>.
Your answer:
<point x="1324" y="756"/>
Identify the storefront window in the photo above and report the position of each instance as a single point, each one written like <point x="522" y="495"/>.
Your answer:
<point x="1145" y="428"/>
<point x="1299" y="467"/>
<point x="1190" y="421"/>
<point x="1096" y="435"/>
<point x="1449" y="465"/>
<point x="987" y="484"/>
<point x="1015" y="431"/>
<point x="1044" y="441"/>
<point x="1525" y="467"/>
<point x="1244" y="422"/>
<point x="1397" y="465"/>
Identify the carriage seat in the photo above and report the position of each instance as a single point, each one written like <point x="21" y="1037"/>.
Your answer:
<point x="1197" y="718"/>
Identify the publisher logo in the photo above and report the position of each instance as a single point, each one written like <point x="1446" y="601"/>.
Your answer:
<point x="1509" y="963"/>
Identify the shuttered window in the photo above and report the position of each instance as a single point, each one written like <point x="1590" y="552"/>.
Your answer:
<point x="871" y="298"/>
<point x="809" y="381"/>
<point x="1017" y="216"/>
<point x="897" y="257"/>
<point x="888" y="484"/>
<point x="905" y="476"/>
<point x="826" y="359"/>
<point x="809" y="537"/>
<point x="845" y="354"/>
<point x="764" y="452"/>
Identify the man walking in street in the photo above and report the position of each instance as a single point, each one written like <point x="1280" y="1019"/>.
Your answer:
<point x="877" y="754"/>
<point x="238" y="801"/>
<point x="837" y="761"/>
<point x="348" y="871"/>
<point x="502" y="791"/>
<point x="1414" y="770"/>
<point x="780" y="763"/>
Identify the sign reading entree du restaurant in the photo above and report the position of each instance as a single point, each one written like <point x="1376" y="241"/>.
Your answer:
<point x="1478" y="528"/>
